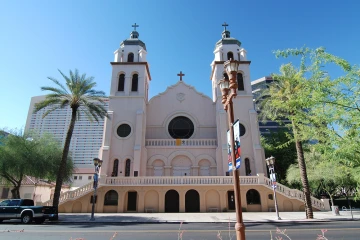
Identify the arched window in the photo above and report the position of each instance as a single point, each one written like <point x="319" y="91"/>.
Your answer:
<point x="111" y="198"/>
<point x="247" y="167"/>
<point x="240" y="81"/>
<point x="131" y="57"/>
<point x="253" y="197"/>
<point x="226" y="76"/>
<point x="115" y="168"/>
<point x="134" y="83"/>
<point x="121" y="85"/>
<point x="230" y="55"/>
<point x="127" y="168"/>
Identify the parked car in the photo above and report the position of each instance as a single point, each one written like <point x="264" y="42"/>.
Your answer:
<point x="25" y="210"/>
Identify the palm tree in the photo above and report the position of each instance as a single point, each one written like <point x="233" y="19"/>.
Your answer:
<point x="81" y="98"/>
<point x="287" y="98"/>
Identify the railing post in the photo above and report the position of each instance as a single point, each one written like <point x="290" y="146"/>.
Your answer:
<point x="261" y="178"/>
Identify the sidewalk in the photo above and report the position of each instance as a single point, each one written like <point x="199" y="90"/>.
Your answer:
<point x="203" y="217"/>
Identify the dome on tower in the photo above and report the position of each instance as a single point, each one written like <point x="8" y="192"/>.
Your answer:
<point x="134" y="39"/>
<point x="226" y="39"/>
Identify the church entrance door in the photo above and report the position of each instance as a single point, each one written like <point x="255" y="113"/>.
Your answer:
<point x="132" y="201"/>
<point x="172" y="201"/>
<point x="192" y="201"/>
<point x="231" y="200"/>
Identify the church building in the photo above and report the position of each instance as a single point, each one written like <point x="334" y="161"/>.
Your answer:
<point x="169" y="153"/>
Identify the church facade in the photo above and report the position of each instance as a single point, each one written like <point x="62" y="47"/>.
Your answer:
<point x="169" y="153"/>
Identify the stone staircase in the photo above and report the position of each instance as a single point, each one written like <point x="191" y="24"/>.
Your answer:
<point x="188" y="180"/>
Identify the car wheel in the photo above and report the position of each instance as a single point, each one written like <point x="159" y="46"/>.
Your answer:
<point x="26" y="218"/>
<point x="39" y="220"/>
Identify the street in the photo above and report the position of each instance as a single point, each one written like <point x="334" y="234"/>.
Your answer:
<point x="349" y="230"/>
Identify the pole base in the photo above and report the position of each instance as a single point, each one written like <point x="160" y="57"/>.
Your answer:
<point x="92" y="219"/>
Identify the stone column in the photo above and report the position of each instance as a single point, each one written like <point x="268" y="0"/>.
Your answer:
<point x="167" y="170"/>
<point x="194" y="170"/>
<point x="213" y="169"/>
<point x="150" y="171"/>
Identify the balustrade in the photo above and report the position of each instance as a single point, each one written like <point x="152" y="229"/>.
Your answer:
<point x="188" y="180"/>
<point x="181" y="142"/>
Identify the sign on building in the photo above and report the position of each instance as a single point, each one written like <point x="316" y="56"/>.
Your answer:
<point x="236" y="146"/>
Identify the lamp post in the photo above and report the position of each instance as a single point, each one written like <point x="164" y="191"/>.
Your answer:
<point x="270" y="162"/>
<point x="97" y="164"/>
<point x="228" y="90"/>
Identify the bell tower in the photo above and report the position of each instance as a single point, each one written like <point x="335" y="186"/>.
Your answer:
<point x="252" y="154"/>
<point x="124" y="131"/>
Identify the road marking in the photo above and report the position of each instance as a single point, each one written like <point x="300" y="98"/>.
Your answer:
<point x="172" y="231"/>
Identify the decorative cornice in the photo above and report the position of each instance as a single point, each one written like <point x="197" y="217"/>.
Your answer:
<point x="175" y="85"/>
<point x="222" y="62"/>
<point x="134" y="63"/>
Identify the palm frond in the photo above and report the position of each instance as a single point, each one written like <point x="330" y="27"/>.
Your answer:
<point x="55" y="107"/>
<point x="59" y="84"/>
<point x="43" y="104"/>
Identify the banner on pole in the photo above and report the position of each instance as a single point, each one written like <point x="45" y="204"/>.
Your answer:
<point x="236" y="146"/>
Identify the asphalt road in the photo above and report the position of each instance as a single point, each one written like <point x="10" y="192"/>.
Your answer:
<point x="347" y="230"/>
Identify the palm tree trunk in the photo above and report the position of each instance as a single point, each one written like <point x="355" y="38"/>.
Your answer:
<point x="303" y="174"/>
<point x="60" y="174"/>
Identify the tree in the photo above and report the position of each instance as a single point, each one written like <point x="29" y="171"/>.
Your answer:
<point x="29" y="154"/>
<point x="288" y="97"/>
<point x="334" y="117"/>
<point x="82" y="99"/>
<point x="278" y="144"/>
<point x="325" y="175"/>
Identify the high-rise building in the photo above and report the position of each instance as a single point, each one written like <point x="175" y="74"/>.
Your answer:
<point x="258" y="86"/>
<point x="87" y="136"/>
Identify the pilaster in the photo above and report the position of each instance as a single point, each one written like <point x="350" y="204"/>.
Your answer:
<point x="99" y="206"/>
<point x="141" y="202"/>
<point x="182" y="201"/>
<point x="121" y="199"/>
<point x="162" y="201"/>
<point x="202" y="200"/>
<point x="138" y="141"/>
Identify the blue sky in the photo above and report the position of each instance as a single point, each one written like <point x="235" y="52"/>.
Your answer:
<point x="39" y="37"/>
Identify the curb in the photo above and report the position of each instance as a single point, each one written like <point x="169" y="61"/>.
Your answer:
<point x="186" y="222"/>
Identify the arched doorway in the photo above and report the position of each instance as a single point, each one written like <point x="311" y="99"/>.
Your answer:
<point x="192" y="201"/>
<point x="172" y="201"/>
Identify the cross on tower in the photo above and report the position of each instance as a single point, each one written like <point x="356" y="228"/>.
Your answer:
<point x="181" y="75"/>
<point x="225" y="25"/>
<point x="135" y="26"/>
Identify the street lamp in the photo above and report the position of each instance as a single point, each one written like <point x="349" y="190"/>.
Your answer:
<point x="97" y="164"/>
<point x="270" y="162"/>
<point x="228" y="90"/>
